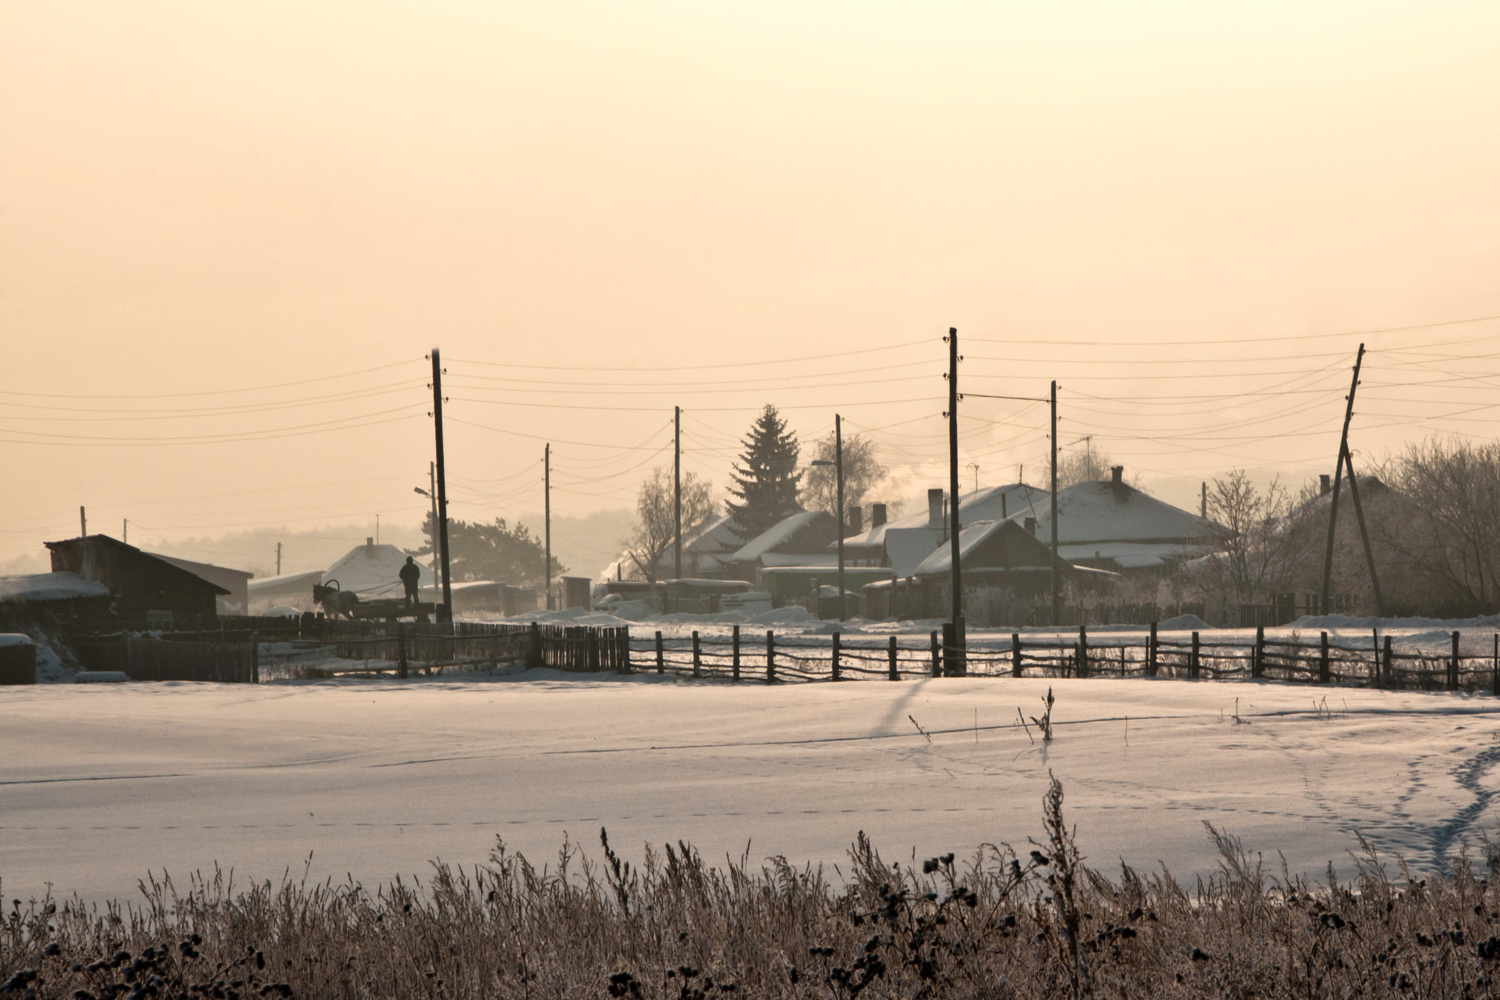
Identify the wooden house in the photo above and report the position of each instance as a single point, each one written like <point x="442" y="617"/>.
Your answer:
<point x="138" y="582"/>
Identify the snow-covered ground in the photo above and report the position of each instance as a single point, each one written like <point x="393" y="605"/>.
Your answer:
<point x="373" y="778"/>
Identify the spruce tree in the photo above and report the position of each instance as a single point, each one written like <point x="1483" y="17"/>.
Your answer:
<point x="765" y="475"/>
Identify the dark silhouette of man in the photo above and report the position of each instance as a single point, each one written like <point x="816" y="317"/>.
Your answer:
<point x="411" y="573"/>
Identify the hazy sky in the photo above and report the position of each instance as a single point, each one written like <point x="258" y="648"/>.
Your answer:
<point x="229" y="232"/>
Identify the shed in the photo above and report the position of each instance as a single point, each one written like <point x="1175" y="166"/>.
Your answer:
<point x="138" y="581"/>
<point x="236" y="581"/>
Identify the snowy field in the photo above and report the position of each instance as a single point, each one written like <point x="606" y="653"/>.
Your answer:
<point x="374" y="777"/>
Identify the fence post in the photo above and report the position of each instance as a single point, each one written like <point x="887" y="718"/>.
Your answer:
<point x="736" y="652"/>
<point x="254" y="657"/>
<point x="1323" y="674"/>
<point x="1258" y="658"/>
<point x="660" y="661"/>
<point x="1193" y="659"/>
<point x="836" y="656"/>
<point x="1015" y="654"/>
<point x="697" y="660"/>
<point x="937" y="657"/>
<point x="1083" y="651"/>
<point x="770" y="657"/>
<point x="1387" y="669"/>
<point x="624" y="651"/>
<point x="1494" y="669"/>
<point x="401" y="651"/>
<point x="1375" y="659"/>
<point x="1151" y="652"/>
<point x="537" y="655"/>
<point x="1453" y="666"/>
<point x="895" y="675"/>
<point x="593" y="650"/>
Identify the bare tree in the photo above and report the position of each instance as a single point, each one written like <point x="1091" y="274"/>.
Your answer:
<point x="656" y="525"/>
<point x="1259" y="549"/>
<point x="1082" y="465"/>
<point x="1452" y="538"/>
<point x="862" y="470"/>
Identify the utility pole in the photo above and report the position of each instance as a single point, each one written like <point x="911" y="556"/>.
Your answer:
<point x="1364" y="535"/>
<point x="975" y="467"/>
<point x="838" y="472"/>
<point x="83" y="521"/>
<point x="958" y="580"/>
<point x="1203" y="503"/>
<point x="377" y="529"/>
<point x="445" y="613"/>
<point x="1056" y="591"/>
<point x="547" y="518"/>
<point x="677" y="489"/>
<point x="1338" y="474"/>
<point x="278" y="558"/>
<point x="432" y="495"/>
<point x="125" y="531"/>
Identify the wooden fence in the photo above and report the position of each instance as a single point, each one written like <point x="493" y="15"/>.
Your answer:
<point x="146" y="658"/>
<point x="566" y="647"/>
<point x="1324" y="661"/>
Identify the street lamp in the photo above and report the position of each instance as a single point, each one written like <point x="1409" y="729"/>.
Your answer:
<point x="838" y="464"/>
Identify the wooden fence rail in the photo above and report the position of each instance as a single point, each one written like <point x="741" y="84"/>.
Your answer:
<point x="1324" y="661"/>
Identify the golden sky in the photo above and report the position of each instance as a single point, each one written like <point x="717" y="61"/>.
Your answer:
<point x="1185" y="212"/>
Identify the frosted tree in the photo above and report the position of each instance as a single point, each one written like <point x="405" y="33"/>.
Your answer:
<point x="656" y="517"/>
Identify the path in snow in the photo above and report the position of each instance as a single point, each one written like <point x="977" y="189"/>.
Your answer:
<point x="98" y="784"/>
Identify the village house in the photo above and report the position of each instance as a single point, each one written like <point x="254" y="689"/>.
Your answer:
<point x="1112" y="525"/>
<point x="141" y="585"/>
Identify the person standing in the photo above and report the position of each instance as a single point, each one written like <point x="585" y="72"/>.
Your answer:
<point x="411" y="574"/>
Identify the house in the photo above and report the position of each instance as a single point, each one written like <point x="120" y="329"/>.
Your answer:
<point x="373" y="571"/>
<point x="236" y="581"/>
<point x="799" y="540"/>
<point x="704" y="550"/>
<point x="138" y="582"/>
<point x="902" y="544"/>
<point x="1112" y="525"/>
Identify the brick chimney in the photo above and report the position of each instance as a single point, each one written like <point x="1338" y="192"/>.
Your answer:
<point x="1325" y="484"/>
<point x="1031" y="525"/>
<point x="877" y="514"/>
<point x="856" y="520"/>
<point x="935" y="508"/>
<point x="369" y="547"/>
<point x="1117" y="475"/>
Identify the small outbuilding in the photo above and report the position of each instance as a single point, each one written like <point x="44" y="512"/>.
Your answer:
<point x="138" y="582"/>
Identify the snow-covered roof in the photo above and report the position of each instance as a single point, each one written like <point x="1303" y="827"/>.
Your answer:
<point x="819" y="559"/>
<point x="718" y="534"/>
<point x="907" y="547"/>
<point x="969" y="539"/>
<point x="286" y="581"/>
<point x="49" y="587"/>
<point x="373" y="570"/>
<point x="1016" y="500"/>
<point x="779" y="534"/>
<point x="1095" y="513"/>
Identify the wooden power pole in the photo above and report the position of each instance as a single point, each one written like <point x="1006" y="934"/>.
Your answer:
<point x="677" y="490"/>
<point x="444" y="613"/>
<point x="547" y="520"/>
<point x="958" y="581"/>
<point x="838" y="472"/>
<point x="1326" y="595"/>
<point x="1056" y="589"/>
